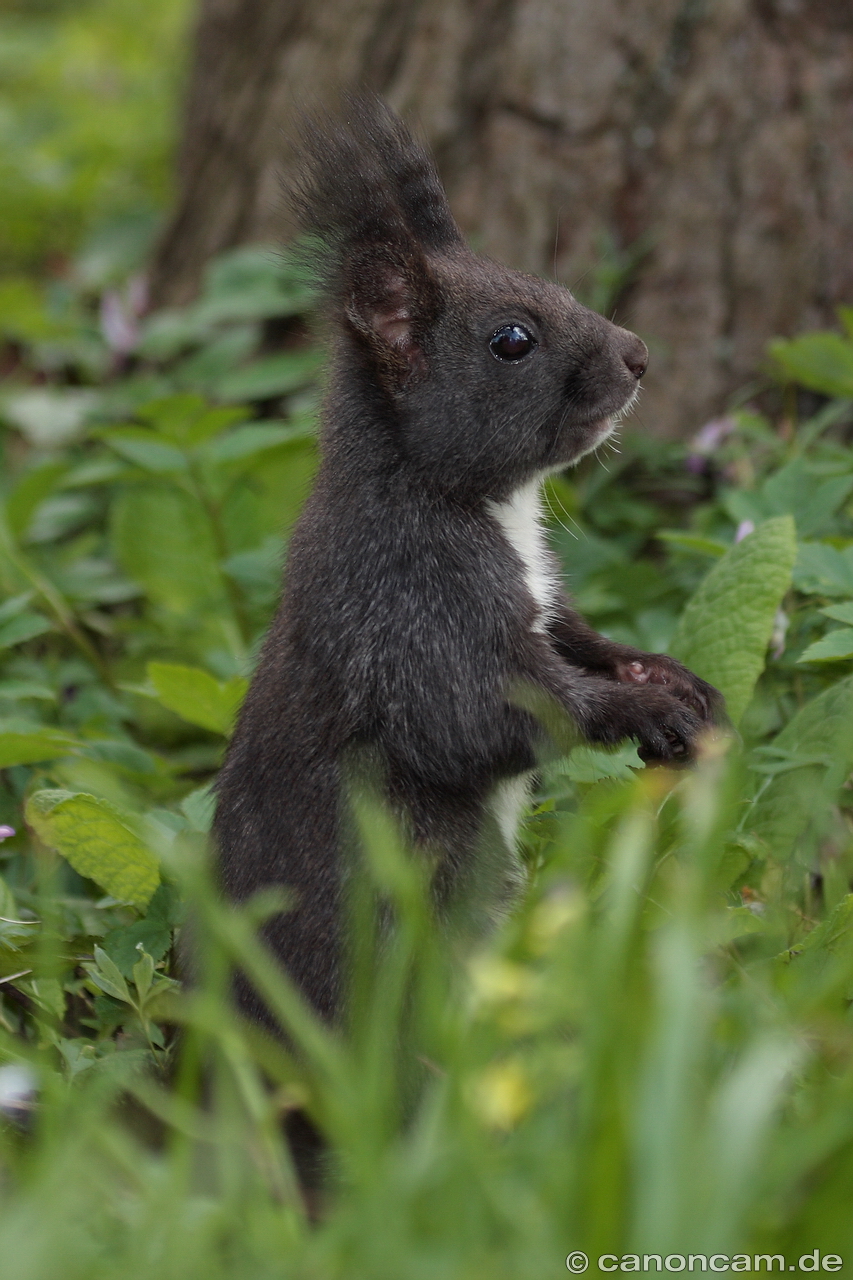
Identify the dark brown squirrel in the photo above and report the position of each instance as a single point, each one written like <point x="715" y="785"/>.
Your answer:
<point x="420" y="591"/>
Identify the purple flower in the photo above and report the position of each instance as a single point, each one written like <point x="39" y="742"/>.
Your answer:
<point x="706" y="440"/>
<point x="120" y="314"/>
<point x="712" y="435"/>
<point x="744" y="529"/>
<point x="118" y="327"/>
<point x="6" y="832"/>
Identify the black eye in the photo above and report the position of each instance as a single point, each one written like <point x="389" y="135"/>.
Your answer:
<point x="511" y="342"/>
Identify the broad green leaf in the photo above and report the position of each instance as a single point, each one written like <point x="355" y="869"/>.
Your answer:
<point x="165" y="334"/>
<point x="164" y="541"/>
<point x="797" y="489"/>
<point x="810" y="498"/>
<point x="253" y="282"/>
<point x="15" y="605"/>
<point x="826" y="936"/>
<point x="108" y="976"/>
<point x="25" y="627"/>
<point x="196" y="696"/>
<point x="20" y="690"/>
<point x="591" y="764"/>
<point x="22" y="745"/>
<point x="821" y="361"/>
<point x="199" y="807"/>
<point x="797" y="799"/>
<point x="822" y="569"/>
<point x="840" y="612"/>
<point x="145" y="449"/>
<point x="127" y="755"/>
<point x="143" y="973"/>
<point x="154" y="931"/>
<point x="98" y="840"/>
<point x="831" y="647"/>
<point x="267" y="498"/>
<point x="31" y="489"/>
<point x="251" y="440"/>
<point x="61" y="513"/>
<point x="725" y="629"/>
<point x="187" y="418"/>
<point x="692" y="542"/>
<point x="96" y="471"/>
<point x="270" y="376"/>
<point x="258" y="571"/>
<point x="15" y="933"/>
<point x="217" y="358"/>
<point x="737" y="922"/>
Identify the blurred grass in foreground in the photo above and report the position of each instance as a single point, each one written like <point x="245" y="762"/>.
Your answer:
<point x="631" y="1065"/>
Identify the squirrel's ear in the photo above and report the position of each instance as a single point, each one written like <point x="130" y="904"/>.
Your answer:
<point x="390" y="302"/>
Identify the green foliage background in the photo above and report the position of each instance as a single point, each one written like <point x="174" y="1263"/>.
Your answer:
<point x="653" y="1055"/>
<point x="87" y="121"/>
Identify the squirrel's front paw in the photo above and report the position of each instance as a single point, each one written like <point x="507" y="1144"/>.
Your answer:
<point x="666" y="728"/>
<point x="680" y="683"/>
<point x="670" y="735"/>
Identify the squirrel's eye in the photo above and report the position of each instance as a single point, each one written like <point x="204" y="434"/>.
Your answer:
<point x="511" y="342"/>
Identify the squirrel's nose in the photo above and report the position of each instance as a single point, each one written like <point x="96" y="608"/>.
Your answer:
<point x="636" y="357"/>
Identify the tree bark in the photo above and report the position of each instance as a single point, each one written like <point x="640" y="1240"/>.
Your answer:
<point x="689" y="161"/>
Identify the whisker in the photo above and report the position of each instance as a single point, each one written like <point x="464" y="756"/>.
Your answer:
<point x="548" y="496"/>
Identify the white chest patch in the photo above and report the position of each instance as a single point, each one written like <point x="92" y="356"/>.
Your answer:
<point x="520" y="521"/>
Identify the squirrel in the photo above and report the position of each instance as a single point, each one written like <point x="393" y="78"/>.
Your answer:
<point x="420" y="590"/>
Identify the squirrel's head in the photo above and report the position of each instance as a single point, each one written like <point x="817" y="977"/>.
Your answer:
<point x="490" y="376"/>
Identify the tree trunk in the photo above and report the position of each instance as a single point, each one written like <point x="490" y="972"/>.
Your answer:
<point x="689" y="161"/>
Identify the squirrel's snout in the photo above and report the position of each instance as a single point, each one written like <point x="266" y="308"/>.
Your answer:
<point x="636" y="357"/>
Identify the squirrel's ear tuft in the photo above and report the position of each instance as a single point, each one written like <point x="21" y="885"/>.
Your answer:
<point x="374" y="207"/>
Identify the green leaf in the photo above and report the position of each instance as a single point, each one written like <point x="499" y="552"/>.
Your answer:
<point x="127" y="755"/>
<point x="692" y="542"/>
<point x="725" y="629"/>
<point x="164" y="541"/>
<point x="831" y="647"/>
<point x="270" y="376"/>
<point x="822" y="569"/>
<point x="216" y="358"/>
<point x="187" y="419"/>
<point x="591" y="764"/>
<point x="840" y="612"/>
<point x="144" y="449"/>
<point x="143" y="973"/>
<point x="737" y="923"/>
<point x="252" y="440"/>
<point x="31" y="489"/>
<point x="108" y="977"/>
<point x="31" y="746"/>
<point x="15" y="605"/>
<point x="20" y="690"/>
<point x="821" y="361"/>
<point x="197" y="697"/>
<point x="153" y="932"/>
<point x="826" y="936"/>
<point x="816" y="753"/>
<point x="797" y="489"/>
<point x="25" y="627"/>
<point x="98" y="840"/>
<point x="199" y="807"/>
